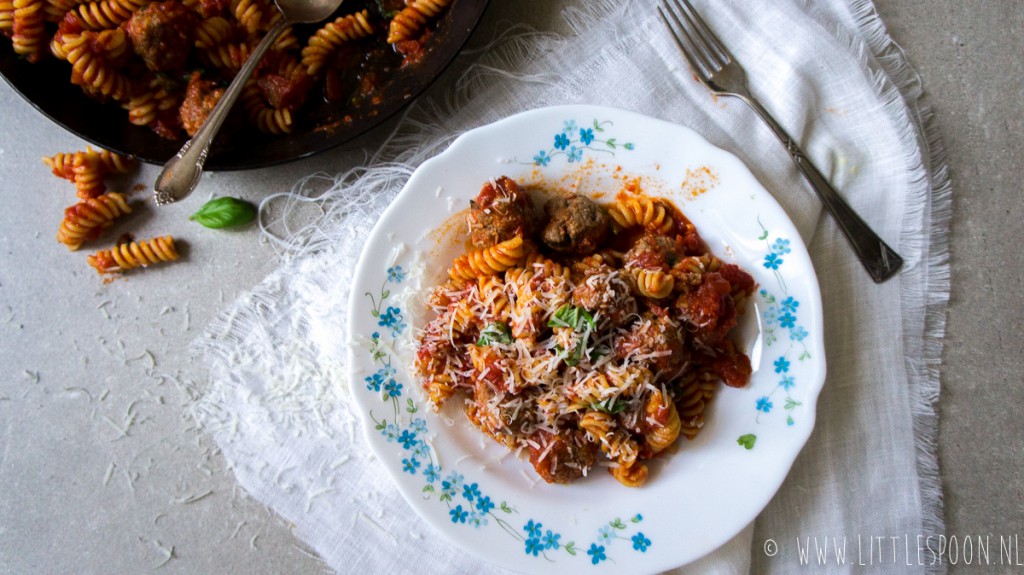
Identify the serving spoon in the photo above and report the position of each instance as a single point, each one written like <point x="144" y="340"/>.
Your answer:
<point x="181" y="173"/>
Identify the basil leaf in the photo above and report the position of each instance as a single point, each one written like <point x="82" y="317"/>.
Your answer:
<point x="602" y="406"/>
<point x="573" y="317"/>
<point x="224" y="212"/>
<point x="570" y="359"/>
<point x="598" y="352"/>
<point x="496" y="332"/>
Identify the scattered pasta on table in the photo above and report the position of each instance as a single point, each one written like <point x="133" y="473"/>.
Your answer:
<point x="130" y="255"/>
<point x="98" y="209"/>
<point x="89" y="218"/>
<point x="583" y="335"/>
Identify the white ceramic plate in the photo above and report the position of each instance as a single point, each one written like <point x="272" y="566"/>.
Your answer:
<point x="491" y="503"/>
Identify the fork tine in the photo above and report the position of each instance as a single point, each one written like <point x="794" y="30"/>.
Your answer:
<point x="698" y="58"/>
<point x="708" y="38"/>
<point x="698" y="68"/>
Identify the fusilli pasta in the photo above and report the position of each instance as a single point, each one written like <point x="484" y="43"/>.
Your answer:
<point x="330" y="36"/>
<point x="132" y="255"/>
<point x="7" y="17"/>
<point x="106" y="14"/>
<point x="141" y="54"/>
<point x="487" y="261"/>
<point x="28" y="34"/>
<point x="613" y="353"/>
<point x="88" y="168"/>
<point x="88" y="219"/>
<point x="655" y="284"/>
<point x="411" y="20"/>
<point x="641" y="211"/>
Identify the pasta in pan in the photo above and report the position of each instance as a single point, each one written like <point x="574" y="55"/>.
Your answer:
<point x="167" y="62"/>
<point x="586" y="336"/>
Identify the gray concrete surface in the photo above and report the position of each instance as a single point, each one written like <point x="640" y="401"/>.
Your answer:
<point x="970" y="55"/>
<point x="100" y="472"/>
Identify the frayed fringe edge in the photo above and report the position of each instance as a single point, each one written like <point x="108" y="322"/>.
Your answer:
<point x="925" y="234"/>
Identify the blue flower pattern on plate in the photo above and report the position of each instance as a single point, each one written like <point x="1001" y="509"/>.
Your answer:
<point x="780" y="316"/>
<point x="640" y="542"/>
<point x="575" y="142"/>
<point x="474" y="508"/>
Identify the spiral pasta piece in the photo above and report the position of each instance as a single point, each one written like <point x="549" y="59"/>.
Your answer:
<point x="6" y="17"/>
<point x="106" y="14"/>
<point x="27" y="27"/>
<point x="641" y="211"/>
<point x="631" y="475"/>
<point x="147" y="106"/>
<point x="596" y="387"/>
<point x="655" y="284"/>
<point x="327" y="39"/>
<point x="86" y="169"/>
<point x="487" y="261"/>
<point x="134" y="254"/>
<point x="493" y="297"/>
<point x="114" y="163"/>
<point x="213" y="31"/>
<point x="228" y="56"/>
<point x="629" y="379"/>
<point x="534" y="261"/>
<point x="463" y="316"/>
<point x="267" y="119"/>
<point x="93" y="73"/>
<point x="664" y="420"/>
<point x="693" y="401"/>
<point x="286" y="42"/>
<point x="618" y="445"/>
<point x="439" y="388"/>
<point x="408" y="23"/>
<point x="614" y="441"/>
<point x="56" y="9"/>
<point x="88" y="175"/>
<point x="250" y="14"/>
<point x="62" y="165"/>
<point x="88" y="219"/>
<point x="58" y="44"/>
<point x="690" y="271"/>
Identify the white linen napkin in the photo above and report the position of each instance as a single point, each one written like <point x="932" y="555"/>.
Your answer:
<point x="277" y="403"/>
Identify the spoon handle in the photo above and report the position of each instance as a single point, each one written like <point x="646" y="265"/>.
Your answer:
<point x="181" y="173"/>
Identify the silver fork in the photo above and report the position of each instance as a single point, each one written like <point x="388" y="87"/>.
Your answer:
<point x="716" y="68"/>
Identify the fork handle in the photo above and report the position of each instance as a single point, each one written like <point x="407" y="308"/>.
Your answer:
<point x="880" y="261"/>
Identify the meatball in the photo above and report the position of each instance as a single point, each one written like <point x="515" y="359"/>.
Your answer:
<point x="285" y="91"/>
<point x="653" y="252"/>
<point x="162" y="34"/>
<point x="575" y="225"/>
<point x="502" y="420"/>
<point x="709" y="310"/>
<point x="500" y="212"/>
<point x="607" y="292"/>
<point x="200" y="98"/>
<point x="659" y="339"/>
<point x="559" y="459"/>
